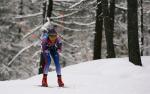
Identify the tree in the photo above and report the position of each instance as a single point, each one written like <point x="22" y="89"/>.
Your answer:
<point x="44" y="11"/>
<point x="142" y="28"/>
<point x="108" y="31"/>
<point x="112" y="15"/>
<point x="50" y="8"/>
<point x="20" y="13"/>
<point x="98" y="31"/>
<point x="133" y="42"/>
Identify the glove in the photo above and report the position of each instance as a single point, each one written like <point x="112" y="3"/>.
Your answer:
<point x="59" y="50"/>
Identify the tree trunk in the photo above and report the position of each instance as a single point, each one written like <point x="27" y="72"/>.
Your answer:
<point x="133" y="42"/>
<point x="108" y="31"/>
<point x="44" y="11"/>
<point x="142" y="29"/>
<point x="50" y="8"/>
<point x="112" y="15"/>
<point x="98" y="31"/>
<point x="20" y="13"/>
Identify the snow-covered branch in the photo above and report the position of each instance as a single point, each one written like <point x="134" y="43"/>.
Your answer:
<point x="66" y="15"/>
<point x="73" y="46"/>
<point x="40" y="13"/>
<point x="33" y="44"/>
<point x="94" y="1"/>
<point x="121" y="7"/>
<point x="76" y="23"/>
<point x="83" y="17"/>
<point x="36" y="53"/>
<point x="29" y="15"/>
<point x="67" y="28"/>
<point x="69" y="59"/>
<point x="76" y="4"/>
<point x="32" y="31"/>
<point x="88" y="5"/>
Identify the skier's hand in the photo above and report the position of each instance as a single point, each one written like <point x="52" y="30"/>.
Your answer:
<point x="46" y="51"/>
<point x="59" y="50"/>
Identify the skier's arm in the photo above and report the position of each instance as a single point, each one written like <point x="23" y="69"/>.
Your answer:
<point x="59" y="44"/>
<point x="44" y="45"/>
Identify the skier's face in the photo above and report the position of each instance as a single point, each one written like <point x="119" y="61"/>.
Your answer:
<point x="52" y="37"/>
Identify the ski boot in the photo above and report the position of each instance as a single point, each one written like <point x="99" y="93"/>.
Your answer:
<point x="44" y="80"/>
<point x="60" y="82"/>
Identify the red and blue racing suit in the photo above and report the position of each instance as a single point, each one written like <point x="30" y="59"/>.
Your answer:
<point x="50" y="49"/>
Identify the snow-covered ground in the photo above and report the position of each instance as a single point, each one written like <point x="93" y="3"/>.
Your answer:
<point x="106" y="76"/>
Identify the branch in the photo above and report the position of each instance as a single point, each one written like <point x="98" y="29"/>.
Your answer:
<point x="32" y="31"/>
<point x="77" y="23"/>
<point x="67" y="58"/>
<point x="73" y="46"/>
<point x="66" y="15"/>
<point x="64" y="3"/>
<point x="29" y="15"/>
<point x="21" y="52"/>
<point x="122" y="25"/>
<point x="36" y="53"/>
<point x="76" y="30"/>
<point x="95" y="1"/>
<point x="120" y="7"/>
<point x="85" y="17"/>
<point x="40" y="13"/>
<point x="76" y="4"/>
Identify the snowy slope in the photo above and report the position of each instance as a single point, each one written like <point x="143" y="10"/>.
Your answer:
<point x="106" y="76"/>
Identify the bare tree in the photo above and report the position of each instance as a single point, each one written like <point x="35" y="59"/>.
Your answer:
<point x="112" y="14"/>
<point x="98" y="31"/>
<point x="44" y="11"/>
<point x="142" y="28"/>
<point x="20" y="13"/>
<point x="50" y="8"/>
<point x="133" y="42"/>
<point x="108" y="31"/>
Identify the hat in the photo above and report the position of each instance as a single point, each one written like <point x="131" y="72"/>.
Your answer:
<point x="52" y="32"/>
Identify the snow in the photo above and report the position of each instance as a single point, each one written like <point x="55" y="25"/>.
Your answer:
<point x="105" y="76"/>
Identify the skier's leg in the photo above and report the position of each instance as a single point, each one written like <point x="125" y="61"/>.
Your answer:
<point x="58" y="69"/>
<point x="46" y="69"/>
<point x="55" y="57"/>
<point x="41" y="67"/>
<point x="47" y="63"/>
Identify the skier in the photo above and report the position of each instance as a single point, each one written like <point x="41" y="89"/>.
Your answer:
<point x="51" y="46"/>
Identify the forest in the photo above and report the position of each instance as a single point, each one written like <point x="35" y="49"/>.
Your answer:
<point x="90" y="30"/>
